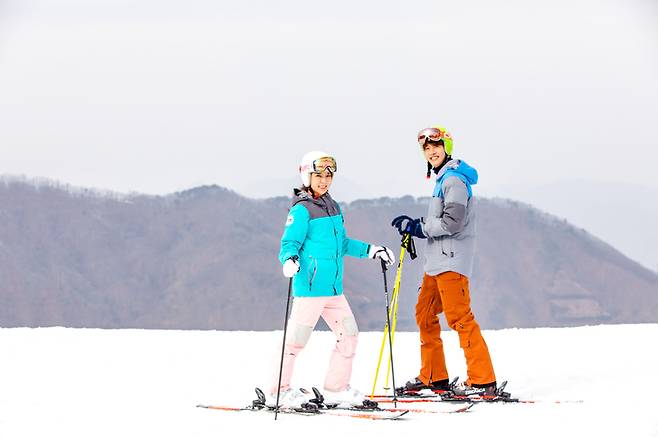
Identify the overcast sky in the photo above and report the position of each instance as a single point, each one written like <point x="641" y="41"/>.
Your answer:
<point x="157" y="96"/>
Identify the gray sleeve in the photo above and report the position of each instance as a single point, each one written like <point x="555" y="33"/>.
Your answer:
<point x="452" y="217"/>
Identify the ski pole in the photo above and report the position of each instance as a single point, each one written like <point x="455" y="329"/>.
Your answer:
<point x="408" y="244"/>
<point x="388" y="317"/>
<point x="283" y="346"/>
<point x="394" y="311"/>
<point x="390" y="339"/>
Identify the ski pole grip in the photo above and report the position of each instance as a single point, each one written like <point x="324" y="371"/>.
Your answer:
<point x="409" y="245"/>
<point x="412" y="248"/>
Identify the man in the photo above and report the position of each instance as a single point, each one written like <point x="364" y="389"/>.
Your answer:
<point x="449" y="228"/>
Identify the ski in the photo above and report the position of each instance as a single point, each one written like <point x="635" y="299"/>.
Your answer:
<point x="474" y="400"/>
<point x="448" y="399"/>
<point x="466" y="406"/>
<point x="316" y="406"/>
<point x="373" y="406"/>
<point x="429" y="395"/>
<point x="256" y="409"/>
<point x="309" y="411"/>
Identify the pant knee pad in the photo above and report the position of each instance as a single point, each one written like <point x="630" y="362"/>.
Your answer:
<point x="350" y="327"/>
<point x="298" y="334"/>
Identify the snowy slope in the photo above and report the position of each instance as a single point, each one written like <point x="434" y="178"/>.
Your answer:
<point x="60" y="382"/>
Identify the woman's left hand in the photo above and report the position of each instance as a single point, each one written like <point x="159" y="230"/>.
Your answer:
<point x="383" y="253"/>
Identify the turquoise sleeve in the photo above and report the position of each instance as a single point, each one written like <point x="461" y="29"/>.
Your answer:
<point x="294" y="233"/>
<point x="355" y="248"/>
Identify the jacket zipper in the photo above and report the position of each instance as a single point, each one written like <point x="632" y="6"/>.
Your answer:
<point x="337" y="252"/>
<point x="315" y="270"/>
<point x="333" y="223"/>
<point x="337" y="264"/>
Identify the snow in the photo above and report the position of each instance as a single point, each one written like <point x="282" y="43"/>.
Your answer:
<point x="62" y="382"/>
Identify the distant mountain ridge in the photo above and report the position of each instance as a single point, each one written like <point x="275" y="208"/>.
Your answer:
<point x="205" y="258"/>
<point x="588" y="204"/>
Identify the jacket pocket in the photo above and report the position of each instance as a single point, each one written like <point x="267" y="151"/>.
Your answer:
<point x="323" y="274"/>
<point x="447" y="246"/>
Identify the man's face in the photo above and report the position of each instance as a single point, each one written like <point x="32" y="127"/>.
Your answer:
<point x="434" y="153"/>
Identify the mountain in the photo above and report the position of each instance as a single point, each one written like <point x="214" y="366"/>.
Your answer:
<point x="588" y="204"/>
<point x="206" y="259"/>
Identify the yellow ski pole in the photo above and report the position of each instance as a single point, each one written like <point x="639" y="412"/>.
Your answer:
<point x="407" y="245"/>
<point x="407" y="242"/>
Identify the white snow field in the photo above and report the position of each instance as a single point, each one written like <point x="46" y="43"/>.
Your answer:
<point x="62" y="382"/>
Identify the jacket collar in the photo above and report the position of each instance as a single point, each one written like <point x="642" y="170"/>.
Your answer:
<point x="300" y="195"/>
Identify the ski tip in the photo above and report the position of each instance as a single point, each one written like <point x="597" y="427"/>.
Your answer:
<point x="464" y="408"/>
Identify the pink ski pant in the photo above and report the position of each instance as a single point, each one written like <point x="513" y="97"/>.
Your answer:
<point x="305" y="313"/>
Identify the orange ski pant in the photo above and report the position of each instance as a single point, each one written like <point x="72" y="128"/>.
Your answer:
<point x="448" y="293"/>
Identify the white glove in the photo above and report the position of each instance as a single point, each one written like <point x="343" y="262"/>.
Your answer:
<point x="290" y="267"/>
<point x="383" y="253"/>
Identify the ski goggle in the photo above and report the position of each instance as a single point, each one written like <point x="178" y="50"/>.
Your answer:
<point x="321" y="165"/>
<point x="431" y="134"/>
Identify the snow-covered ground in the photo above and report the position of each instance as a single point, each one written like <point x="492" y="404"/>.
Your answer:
<point x="60" y="382"/>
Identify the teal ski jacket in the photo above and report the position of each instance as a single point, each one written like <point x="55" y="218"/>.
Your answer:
<point x="315" y="233"/>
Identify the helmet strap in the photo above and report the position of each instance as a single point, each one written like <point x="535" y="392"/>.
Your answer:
<point x="438" y="168"/>
<point x="310" y="191"/>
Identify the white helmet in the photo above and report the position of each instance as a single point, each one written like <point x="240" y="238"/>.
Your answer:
<point x="315" y="161"/>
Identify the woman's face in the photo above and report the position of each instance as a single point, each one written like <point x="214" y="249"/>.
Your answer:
<point x="320" y="182"/>
<point x="434" y="153"/>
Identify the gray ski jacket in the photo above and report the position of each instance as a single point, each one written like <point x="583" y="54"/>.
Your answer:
<point x="450" y="221"/>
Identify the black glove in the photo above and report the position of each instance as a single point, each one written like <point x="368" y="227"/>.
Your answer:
<point x="407" y="225"/>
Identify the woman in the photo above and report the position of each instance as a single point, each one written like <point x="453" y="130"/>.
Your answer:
<point x="313" y="245"/>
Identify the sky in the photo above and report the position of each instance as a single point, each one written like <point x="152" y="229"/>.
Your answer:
<point x="160" y="96"/>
